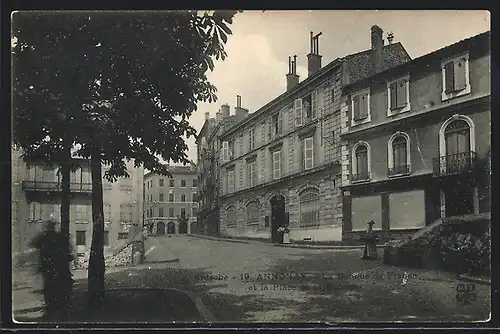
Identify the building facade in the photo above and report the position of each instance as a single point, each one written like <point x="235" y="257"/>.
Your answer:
<point x="208" y="154"/>
<point x="281" y="165"/>
<point x="36" y="197"/>
<point x="171" y="204"/>
<point x="413" y="141"/>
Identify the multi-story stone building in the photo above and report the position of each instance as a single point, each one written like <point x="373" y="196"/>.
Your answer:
<point x="282" y="163"/>
<point x="36" y="196"/>
<point x="413" y="139"/>
<point x="208" y="146"/>
<point x="171" y="204"/>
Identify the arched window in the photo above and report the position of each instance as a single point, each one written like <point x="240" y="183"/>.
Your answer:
<point x="457" y="137"/>
<point x="361" y="162"/>
<point x="399" y="154"/>
<point x="231" y="217"/>
<point x="253" y="213"/>
<point x="309" y="207"/>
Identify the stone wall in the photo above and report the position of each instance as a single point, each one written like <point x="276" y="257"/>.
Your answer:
<point x="122" y="258"/>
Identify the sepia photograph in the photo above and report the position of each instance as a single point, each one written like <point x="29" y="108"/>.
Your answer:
<point x="251" y="166"/>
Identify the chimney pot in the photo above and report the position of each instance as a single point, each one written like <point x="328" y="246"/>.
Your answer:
<point x="207" y="115"/>
<point x="238" y="101"/>
<point x="292" y="78"/>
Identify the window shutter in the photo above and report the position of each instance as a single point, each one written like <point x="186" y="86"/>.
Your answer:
<point x="280" y="121"/>
<point x="314" y="103"/>
<point x="270" y="128"/>
<point x="225" y="151"/>
<point x="393" y="94"/>
<point x="449" y="77"/>
<point x="321" y="101"/>
<point x="401" y="94"/>
<point x="298" y="112"/>
<point x="355" y="107"/>
<point x="308" y="153"/>
<point x="363" y="106"/>
<point x="303" y="150"/>
<point x="459" y="69"/>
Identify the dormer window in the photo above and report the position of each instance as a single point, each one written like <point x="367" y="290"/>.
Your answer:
<point x="398" y="96"/>
<point x="455" y="74"/>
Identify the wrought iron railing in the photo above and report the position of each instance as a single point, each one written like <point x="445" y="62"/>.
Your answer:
<point x="55" y="186"/>
<point x="398" y="170"/>
<point x="364" y="176"/>
<point x="454" y="164"/>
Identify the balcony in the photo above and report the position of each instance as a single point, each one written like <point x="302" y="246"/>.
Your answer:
<point x="454" y="164"/>
<point x="398" y="170"/>
<point x="44" y="186"/>
<point x="360" y="177"/>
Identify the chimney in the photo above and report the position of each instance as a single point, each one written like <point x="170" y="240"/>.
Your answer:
<point x="313" y="58"/>
<point x="207" y="116"/>
<point x="240" y="112"/>
<point x="377" y="47"/>
<point x="224" y="110"/>
<point x="292" y="78"/>
<point x="218" y="116"/>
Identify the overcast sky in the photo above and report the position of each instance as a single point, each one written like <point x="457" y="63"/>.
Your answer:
<point x="261" y="42"/>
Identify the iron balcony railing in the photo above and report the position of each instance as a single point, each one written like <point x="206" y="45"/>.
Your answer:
<point x="398" y="170"/>
<point x="454" y="164"/>
<point x="364" y="176"/>
<point x="56" y="186"/>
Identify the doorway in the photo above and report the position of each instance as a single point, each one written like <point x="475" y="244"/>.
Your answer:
<point x="459" y="200"/>
<point x="277" y="216"/>
<point x="183" y="229"/>
<point x="171" y="228"/>
<point x="160" y="228"/>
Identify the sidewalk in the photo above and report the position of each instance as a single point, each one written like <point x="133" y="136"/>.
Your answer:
<point x="292" y="245"/>
<point x="153" y="293"/>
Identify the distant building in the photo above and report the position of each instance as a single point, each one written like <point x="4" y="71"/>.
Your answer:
<point x="36" y="196"/>
<point x="208" y="152"/>
<point x="411" y="140"/>
<point x="171" y="204"/>
<point x="281" y="164"/>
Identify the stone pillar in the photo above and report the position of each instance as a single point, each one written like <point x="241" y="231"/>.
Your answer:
<point x="442" y="201"/>
<point x="176" y="227"/>
<point x="189" y="226"/>
<point x="476" y="200"/>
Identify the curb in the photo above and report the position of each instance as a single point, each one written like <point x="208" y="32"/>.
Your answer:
<point x="300" y="246"/>
<point x="474" y="279"/>
<point x="175" y="259"/>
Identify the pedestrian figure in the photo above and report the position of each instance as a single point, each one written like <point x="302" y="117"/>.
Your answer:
<point x="54" y="259"/>
<point x="286" y="234"/>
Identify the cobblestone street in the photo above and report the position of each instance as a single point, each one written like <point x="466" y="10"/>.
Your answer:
<point x="255" y="281"/>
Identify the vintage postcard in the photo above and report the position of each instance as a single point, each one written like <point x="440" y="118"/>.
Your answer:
<point x="251" y="167"/>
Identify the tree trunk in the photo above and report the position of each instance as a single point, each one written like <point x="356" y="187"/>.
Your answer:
<point x="96" y="262"/>
<point x="65" y="192"/>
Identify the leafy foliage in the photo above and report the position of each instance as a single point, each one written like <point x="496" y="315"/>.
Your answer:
<point x="124" y="85"/>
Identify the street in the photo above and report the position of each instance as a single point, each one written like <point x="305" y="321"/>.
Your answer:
<point x="259" y="282"/>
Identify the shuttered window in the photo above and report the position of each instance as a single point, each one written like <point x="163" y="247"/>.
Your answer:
<point x="298" y="112"/>
<point x="308" y="153"/>
<point x="398" y="95"/>
<point x="449" y="69"/>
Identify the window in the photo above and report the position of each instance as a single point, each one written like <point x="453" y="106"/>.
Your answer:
<point x="183" y="183"/>
<point x="195" y="183"/>
<point x="407" y="210"/>
<point x="399" y="154"/>
<point x="225" y="151"/>
<point x="310" y="106"/>
<point x="251" y="139"/>
<point x="107" y="212"/>
<point x="276" y="125"/>
<point x="171" y="183"/>
<point x="457" y="137"/>
<point x="161" y="182"/>
<point x="230" y="181"/>
<point x="171" y="212"/>
<point x="365" y="209"/>
<point x="81" y="238"/>
<point x="308" y="153"/>
<point x="361" y="163"/>
<point x="183" y="198"/>
<point x="35" y="211"/>
<point x="194" y="211"/>
<point x="309" y="207"/>
<point x="183" y="212"/>
<point x="360" y="106"/>
<point x="126" y="212"/>
<point x="398" y="96"/>
<point x="276" y="164"/>
<point x="194" y="198"/>
<point x="160" y="212"/>
<point x="251" y="174"/>
<point x="231" y="217"/>
<point x="252" y="213"/>
<point x="106" y="238"/>
<point x="455" y="73"/>
<point x="161" y="197"/>
<point x="171" y="197"/>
